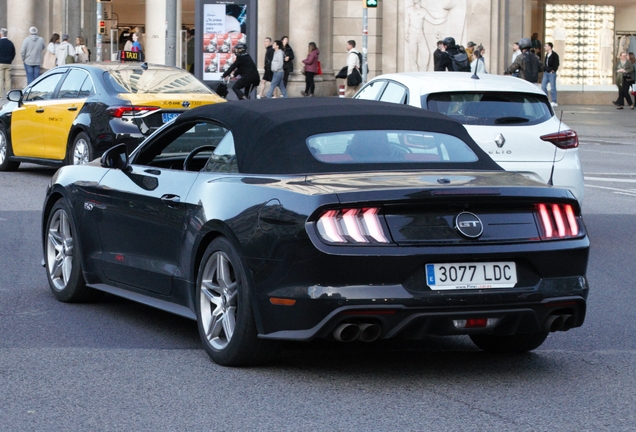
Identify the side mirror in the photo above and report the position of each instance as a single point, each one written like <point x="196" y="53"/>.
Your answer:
<point x="15" y="96"/>
<point x="116" y="157"/>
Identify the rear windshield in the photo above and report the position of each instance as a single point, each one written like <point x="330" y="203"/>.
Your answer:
<point x="491" y="108"/>
<point x="151" y="81"/>
<point x="389" y="146"/>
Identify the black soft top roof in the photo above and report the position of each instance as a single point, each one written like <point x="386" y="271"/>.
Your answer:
<point x="270" y="135"/>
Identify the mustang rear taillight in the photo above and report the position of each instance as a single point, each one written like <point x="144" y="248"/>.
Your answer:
<point x="558" y="221"/>
<point x="564" y="139"/>
<point x="130" y="111"/>
<point x="351" y="226"/>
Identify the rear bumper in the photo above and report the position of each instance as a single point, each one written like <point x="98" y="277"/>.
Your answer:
<point x="401" y="312"/>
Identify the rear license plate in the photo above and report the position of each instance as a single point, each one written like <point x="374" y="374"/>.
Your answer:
<point x="169" y="116"/>
<point x="452" y="276"/>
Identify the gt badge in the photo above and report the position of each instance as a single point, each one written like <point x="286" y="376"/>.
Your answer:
<point x="469" y="225"/>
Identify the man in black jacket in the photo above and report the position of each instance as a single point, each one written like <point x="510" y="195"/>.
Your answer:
<point x="244" y="67"/>
<point x="550" y="66"/>
<point x="437" y="56"/>
<point x="7" y="54"/>
<point x="267" y="75"/>
<point x="451" y="49"/>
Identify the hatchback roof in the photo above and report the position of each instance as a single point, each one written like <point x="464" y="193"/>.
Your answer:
<point x="436" y="82"/>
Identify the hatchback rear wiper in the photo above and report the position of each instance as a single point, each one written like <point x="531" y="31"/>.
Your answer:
<point x="502" y="120"/>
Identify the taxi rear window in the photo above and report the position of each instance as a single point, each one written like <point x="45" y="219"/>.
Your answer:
<point x="149" y="81"/>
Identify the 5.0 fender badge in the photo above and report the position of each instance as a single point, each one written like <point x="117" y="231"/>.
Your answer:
<point x="469" y="225"/>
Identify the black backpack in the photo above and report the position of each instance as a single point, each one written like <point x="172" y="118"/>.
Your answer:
<point x="366" y="66"/>
<point x="460" y="61"/>
<point x="530" y="67"/>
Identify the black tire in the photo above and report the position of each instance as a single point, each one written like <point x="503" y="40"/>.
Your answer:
<point x="518" y="343"/>
<point x="62" y="258"/>
<point x="224" y="310"/>
<point x="81" y="151"/>
<point x="6" y="152"/>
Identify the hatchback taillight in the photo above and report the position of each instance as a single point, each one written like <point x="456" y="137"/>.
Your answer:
<point x="130" y="111"/>
<point x="558" y="221"/>
<point x="564" y="139"/>
<point x="351" y="226"/>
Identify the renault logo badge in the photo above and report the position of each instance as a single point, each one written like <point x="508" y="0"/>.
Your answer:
<point x="469" y="225"/>
<point x="500" y="140"/>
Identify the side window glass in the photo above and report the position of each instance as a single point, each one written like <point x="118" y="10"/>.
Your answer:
<point x="394" y="93"/>
<point x="171" y="149"/>
<point x="371" y="91"/>
<point x="224" y="157"/>
<point x="44" y="89"/>
<point x="87" y="88"/>
<point x="72" y="84"/>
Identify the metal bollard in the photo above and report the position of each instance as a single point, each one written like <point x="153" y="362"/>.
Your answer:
<point x="341" y="91"/>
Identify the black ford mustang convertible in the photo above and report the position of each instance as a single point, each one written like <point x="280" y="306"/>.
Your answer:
<point x="299" y="219"/>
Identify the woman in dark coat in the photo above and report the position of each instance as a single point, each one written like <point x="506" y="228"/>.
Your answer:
<point x="244" y="67"/>
<point x="311" y="69"/>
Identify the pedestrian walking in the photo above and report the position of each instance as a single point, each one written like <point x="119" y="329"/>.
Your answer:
<point x="65" y="53"/>
<point x="311" y="69"/>
<point x="245" y="68"/>
<point x="50" y="59"/>
<point x="550" y="66"/>
<point x="353" y="63"/>
<point x="624" y="79"/>
<point x="278" y="72"/>
<point x="7" y="54"/>
<point x="288" y="58"/>
<point x="31" y="53"/>
<point x="267" y="67"/>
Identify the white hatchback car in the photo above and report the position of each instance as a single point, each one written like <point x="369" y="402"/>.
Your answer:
<point x="509" y="118"/>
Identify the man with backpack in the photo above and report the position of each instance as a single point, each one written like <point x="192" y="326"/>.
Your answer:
<point x="454" y="58"/>
<point x="354" y="71"/>
<point x="527" y="64"/>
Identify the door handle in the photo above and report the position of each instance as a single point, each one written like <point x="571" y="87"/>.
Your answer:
<point x="39" y="110"/>
<point x="72" y="108"/>
<point x="152" y="171"/>
<point x="171" y="200"/>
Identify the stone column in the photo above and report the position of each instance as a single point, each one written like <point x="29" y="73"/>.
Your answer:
<point x="20" y="17"/>
<point x="304" y="27"/>
<point x="154" y="41"/>
<point x="266" y="28"/>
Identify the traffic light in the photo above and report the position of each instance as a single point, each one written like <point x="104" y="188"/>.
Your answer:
<point x="102" y="27"/>
<point x="370" y="3"/>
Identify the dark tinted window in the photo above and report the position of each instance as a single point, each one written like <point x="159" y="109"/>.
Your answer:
<point x="491" y="108"/>
<point x="44" y="89"/>
<point x="72" y="84"/>
<point x="87" y="88"/>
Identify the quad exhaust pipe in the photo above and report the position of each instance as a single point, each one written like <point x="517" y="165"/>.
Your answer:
<point x="366" y="332"/>
<point x="559" y="322"/>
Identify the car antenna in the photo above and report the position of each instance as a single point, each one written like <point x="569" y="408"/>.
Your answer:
<point x="550" y="182"/>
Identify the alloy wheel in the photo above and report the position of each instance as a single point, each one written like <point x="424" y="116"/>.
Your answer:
<point x="3" y="148"/>
<point x="59" y="250"/>
<point x="81" y="152"/>
<point x="219" y="300"/>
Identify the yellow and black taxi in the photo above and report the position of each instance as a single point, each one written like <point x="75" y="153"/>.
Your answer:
<point x="74" y="113"/>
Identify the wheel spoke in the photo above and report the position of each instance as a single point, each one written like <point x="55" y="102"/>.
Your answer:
<point x="56" y="270"/>
<point x="223" y="273"/>
<point x="216" y="325"/>
<point x="67" y="267"/>
<point x="229" y="322"/>
<point x="56" y="239"/>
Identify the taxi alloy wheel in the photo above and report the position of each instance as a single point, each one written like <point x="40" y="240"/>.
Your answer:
<point x="81" y="151"/>
<point x="5" y="153"/>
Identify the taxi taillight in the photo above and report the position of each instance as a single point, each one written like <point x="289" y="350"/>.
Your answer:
<point x="558" y="221"/>
<point x="131" y="110"/>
